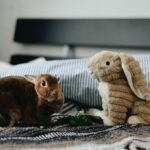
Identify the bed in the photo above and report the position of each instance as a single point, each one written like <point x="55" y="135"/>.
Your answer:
<point x="108" y="33"/>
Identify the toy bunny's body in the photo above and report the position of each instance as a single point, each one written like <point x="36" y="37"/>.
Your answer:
<point x="121" y="84"/>
<point x="32" y="99"/>
<point x="114" y="95"/>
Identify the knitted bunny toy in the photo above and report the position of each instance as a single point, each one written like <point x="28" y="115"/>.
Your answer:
<point x="121" y="85"/>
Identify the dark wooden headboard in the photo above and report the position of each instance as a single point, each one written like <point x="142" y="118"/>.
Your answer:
<point x="108" y="33"/>
<point x="111" y="33"/>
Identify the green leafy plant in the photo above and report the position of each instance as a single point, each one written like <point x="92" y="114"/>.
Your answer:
<point x="79" y="120"/>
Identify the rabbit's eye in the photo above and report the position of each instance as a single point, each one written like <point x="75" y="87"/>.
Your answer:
<point x="43" y="83"/>
<point x="107" y="63"/>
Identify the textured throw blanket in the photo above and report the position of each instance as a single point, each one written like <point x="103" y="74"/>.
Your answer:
<point x="82" y="137"/>
<point x="65" y="137"/>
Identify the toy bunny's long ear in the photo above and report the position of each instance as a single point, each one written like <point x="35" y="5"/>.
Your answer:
<point x="135" y="76"/>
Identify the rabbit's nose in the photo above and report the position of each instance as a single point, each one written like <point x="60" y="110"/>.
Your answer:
<point x="54" y="93"/>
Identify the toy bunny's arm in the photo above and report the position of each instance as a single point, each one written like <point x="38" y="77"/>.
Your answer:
<point x="121" y="95"/>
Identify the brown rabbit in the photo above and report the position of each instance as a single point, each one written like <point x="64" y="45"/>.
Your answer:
<point x="30" y="98"/>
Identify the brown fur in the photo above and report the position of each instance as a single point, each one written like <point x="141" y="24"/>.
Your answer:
<point x="26" y="99"/>
<point x="125" y="85"/>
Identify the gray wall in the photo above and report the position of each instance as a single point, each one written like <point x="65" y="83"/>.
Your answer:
<point x="10" y="10"/>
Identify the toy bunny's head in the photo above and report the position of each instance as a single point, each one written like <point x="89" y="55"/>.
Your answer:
<point x="108" y="66"/>
<point x="105" y="66"/>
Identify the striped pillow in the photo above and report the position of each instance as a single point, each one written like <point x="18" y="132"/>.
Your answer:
<point x="76" y="83"/>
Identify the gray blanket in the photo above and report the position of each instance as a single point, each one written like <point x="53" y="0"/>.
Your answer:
<point x="116" y="137"/>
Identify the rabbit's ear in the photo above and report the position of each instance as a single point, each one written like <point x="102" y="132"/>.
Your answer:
<point x="135" y="76"/>
<point x="30" y="78"/>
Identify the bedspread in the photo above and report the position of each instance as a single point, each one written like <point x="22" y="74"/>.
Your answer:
<point x="82" y="137"/>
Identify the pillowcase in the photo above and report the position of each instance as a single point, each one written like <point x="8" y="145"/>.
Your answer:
<point x="76" y="83"/>
<point x="4" y="66"/>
